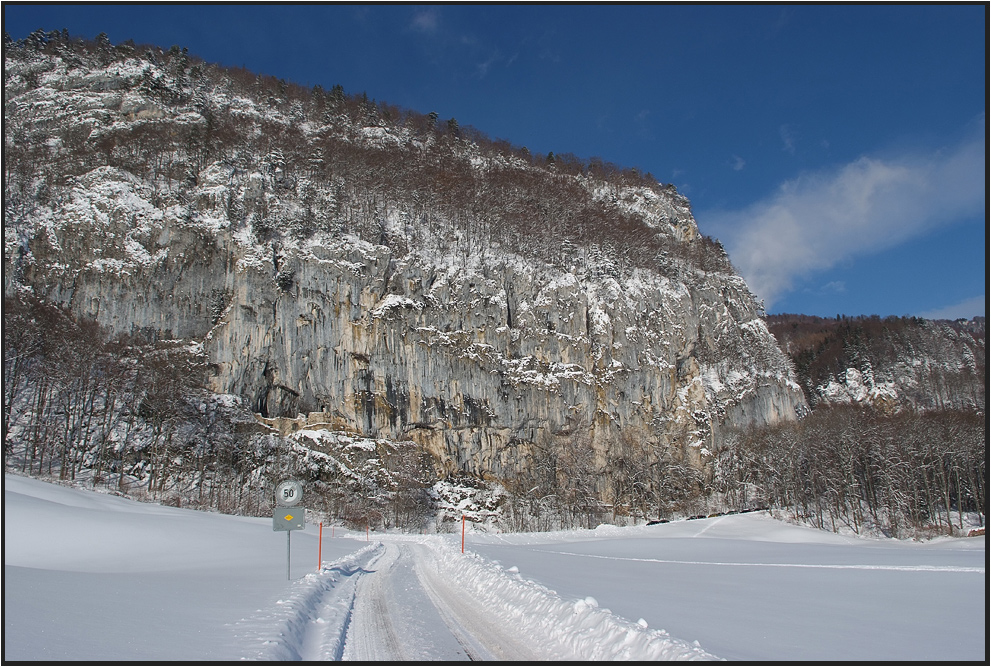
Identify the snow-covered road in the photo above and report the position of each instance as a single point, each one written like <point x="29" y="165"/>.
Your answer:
<point x="419" y="599"/>
<point x="394" y="617"/>
<point x="405" y="611"/>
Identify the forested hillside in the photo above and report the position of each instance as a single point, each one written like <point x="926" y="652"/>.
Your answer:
<point x="896" y="440"/>
<point x="894" y="361"/>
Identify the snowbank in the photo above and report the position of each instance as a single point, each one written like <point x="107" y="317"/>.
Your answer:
<point x="558" y="628"/>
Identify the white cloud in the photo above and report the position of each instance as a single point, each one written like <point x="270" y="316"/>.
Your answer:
<point x="425" y="21"/>
<point x="737" y="163"/>
<point x="818" y="219"/>
<point x="482" y="68"/>
<point x="967" y="308"/>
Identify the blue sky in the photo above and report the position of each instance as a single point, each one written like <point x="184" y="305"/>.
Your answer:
<point x="838" y="151"/>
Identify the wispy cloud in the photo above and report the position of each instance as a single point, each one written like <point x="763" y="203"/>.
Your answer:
<point x="643" y="125"/>
<point x="967" y="308"/>
<point x="779" y="25"/>
<point x="737" y="163"/>
<point x="833" y="287"/>
<point x="818" y="219"/>
<point x="482" y="68"/>
<point x="426" y="21"/>
<point x="787" y="139"/>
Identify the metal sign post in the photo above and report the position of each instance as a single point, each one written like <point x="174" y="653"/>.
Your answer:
<point x="287" y="495"/>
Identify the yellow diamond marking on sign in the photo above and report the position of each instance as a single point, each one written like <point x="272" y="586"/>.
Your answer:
<point x="289" y="517"/>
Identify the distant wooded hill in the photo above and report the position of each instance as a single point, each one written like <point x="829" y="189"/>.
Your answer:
<point x="904" y="361"/>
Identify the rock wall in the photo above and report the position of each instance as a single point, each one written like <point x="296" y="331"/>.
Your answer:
<point x="485" y="357"/>
<point x="478" y="362"/>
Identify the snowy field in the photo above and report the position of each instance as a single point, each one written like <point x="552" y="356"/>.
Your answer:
<point x="748" y="587"/>
<point x="97" y="577"/>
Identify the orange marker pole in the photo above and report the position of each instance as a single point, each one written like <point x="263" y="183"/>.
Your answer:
<point x="366" y="532"/>
<point x="320" y="548"/>
<point x="462" y="533"/>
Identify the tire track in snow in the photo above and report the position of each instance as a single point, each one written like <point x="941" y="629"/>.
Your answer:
<point x="323" y="638"/>
<point x="373" y="636"/>
<point x="709" y="527"/>
<point x="397" y="618"/>
<point x="312" y="622"/>
<point x="899" y="568"/>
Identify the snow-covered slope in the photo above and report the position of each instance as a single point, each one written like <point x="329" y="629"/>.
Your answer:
<point x="96" y="577"/>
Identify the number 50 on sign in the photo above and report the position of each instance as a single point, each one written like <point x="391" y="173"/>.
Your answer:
<point x="289" y="493"/>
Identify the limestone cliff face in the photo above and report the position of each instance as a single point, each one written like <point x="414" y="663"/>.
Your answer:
<point x="433" y="328"/>
<point x="478" y="360"/>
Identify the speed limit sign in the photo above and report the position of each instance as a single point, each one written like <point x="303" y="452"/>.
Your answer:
<point x="289" y="493"/>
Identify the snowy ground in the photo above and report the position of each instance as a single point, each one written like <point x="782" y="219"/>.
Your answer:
<point x="96" y="577"/>
<point x="748" y="587"/>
